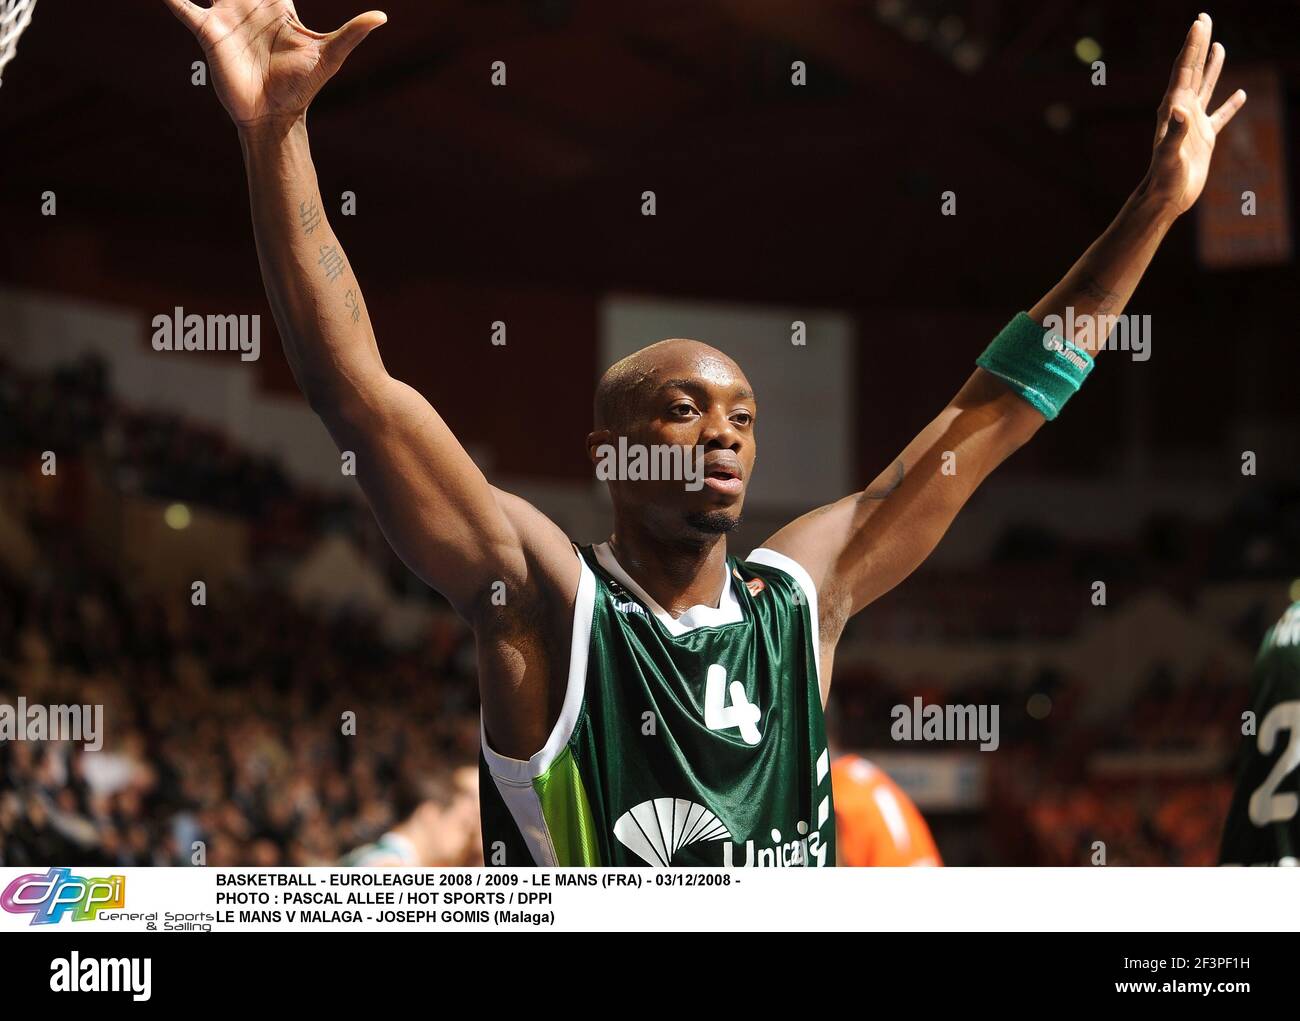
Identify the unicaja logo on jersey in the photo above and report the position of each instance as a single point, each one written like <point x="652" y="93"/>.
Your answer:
<point x="805" y="849"/>
<point x="47" y="898"/>
<point x="656" y="830"/>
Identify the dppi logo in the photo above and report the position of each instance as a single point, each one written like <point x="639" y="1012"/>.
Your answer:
<point x="48" y="897"/>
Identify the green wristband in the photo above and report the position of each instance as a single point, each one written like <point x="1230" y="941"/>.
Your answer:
<point x="1041" y="366"/>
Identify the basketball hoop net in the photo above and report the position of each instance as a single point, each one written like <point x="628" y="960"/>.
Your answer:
<point x="15" y="15"/>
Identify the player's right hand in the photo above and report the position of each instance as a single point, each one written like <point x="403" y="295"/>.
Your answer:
<point x="265" y="64"/>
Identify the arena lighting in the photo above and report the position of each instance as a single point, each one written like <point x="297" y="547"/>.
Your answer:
<point x="1087" y="49"/>
<point x="950" y="30"/>
<point x="177" y="516"/>
<point x="1058" y="117"/>
<point x="891" y="11"/>
<point x="944" y="32"/>
<point x="968" y="56"/>
<point x="1039" y="706"/>
<point x="916" y="28"/>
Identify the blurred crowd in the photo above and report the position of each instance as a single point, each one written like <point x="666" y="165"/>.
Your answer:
<point x="72" y="410"/>
<point x="162" y="455"/>
<point x="1148" y="823"/>
<point x="247" y="731"/>
<point x="1147" y="783"/>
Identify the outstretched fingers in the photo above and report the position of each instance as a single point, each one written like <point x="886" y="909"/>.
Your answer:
<point x="1211" y="77"/>
<point x="1188" y="64"/>
<point x="1228" y="110"/>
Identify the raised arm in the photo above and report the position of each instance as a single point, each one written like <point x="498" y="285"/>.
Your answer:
<point x="860" y="547"/>
<point x="434" y="505"/>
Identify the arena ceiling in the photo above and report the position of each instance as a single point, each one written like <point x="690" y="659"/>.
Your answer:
<point x="764" y="190"/>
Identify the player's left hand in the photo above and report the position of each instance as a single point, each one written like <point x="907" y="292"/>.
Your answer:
<point x="1185" y="131"/>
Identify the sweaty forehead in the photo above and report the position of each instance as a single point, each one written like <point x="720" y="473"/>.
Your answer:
<point x="689" y="362"/>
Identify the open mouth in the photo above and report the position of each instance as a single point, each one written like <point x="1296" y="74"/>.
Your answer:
<point x="723" y="479"/>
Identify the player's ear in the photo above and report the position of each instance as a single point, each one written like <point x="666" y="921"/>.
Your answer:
<point x="596" y="440"/>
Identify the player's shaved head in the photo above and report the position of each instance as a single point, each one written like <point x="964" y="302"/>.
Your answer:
<point x="625" y="383"/>
<point x="684" y="396"/>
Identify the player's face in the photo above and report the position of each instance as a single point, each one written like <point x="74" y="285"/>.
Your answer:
<point x="695" y="399"/>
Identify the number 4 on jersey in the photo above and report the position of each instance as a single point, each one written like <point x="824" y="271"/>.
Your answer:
<point x="741" y="713"/>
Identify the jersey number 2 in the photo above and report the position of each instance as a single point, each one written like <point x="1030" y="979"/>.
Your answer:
<point x="741" y="713"/>
<point x="1266" y="806"/>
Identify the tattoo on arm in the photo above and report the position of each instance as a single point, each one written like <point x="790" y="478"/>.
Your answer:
<point x="309" y="215"/>
<point x="879" y="492"/>
<point x="332" y="261"/>
<point x="1092" y="288"/>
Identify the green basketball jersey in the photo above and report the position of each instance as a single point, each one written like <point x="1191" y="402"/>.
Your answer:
<point x="690" y="741"/>
<point x="1263" y="827"/>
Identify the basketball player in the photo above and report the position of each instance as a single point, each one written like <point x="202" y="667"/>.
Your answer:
<point x="649" y="699"/>
<point x="1263" y="826"/>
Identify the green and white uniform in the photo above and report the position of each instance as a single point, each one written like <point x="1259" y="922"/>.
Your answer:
<point x="690" y="741"/>
<point x="1263" y="826"/>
